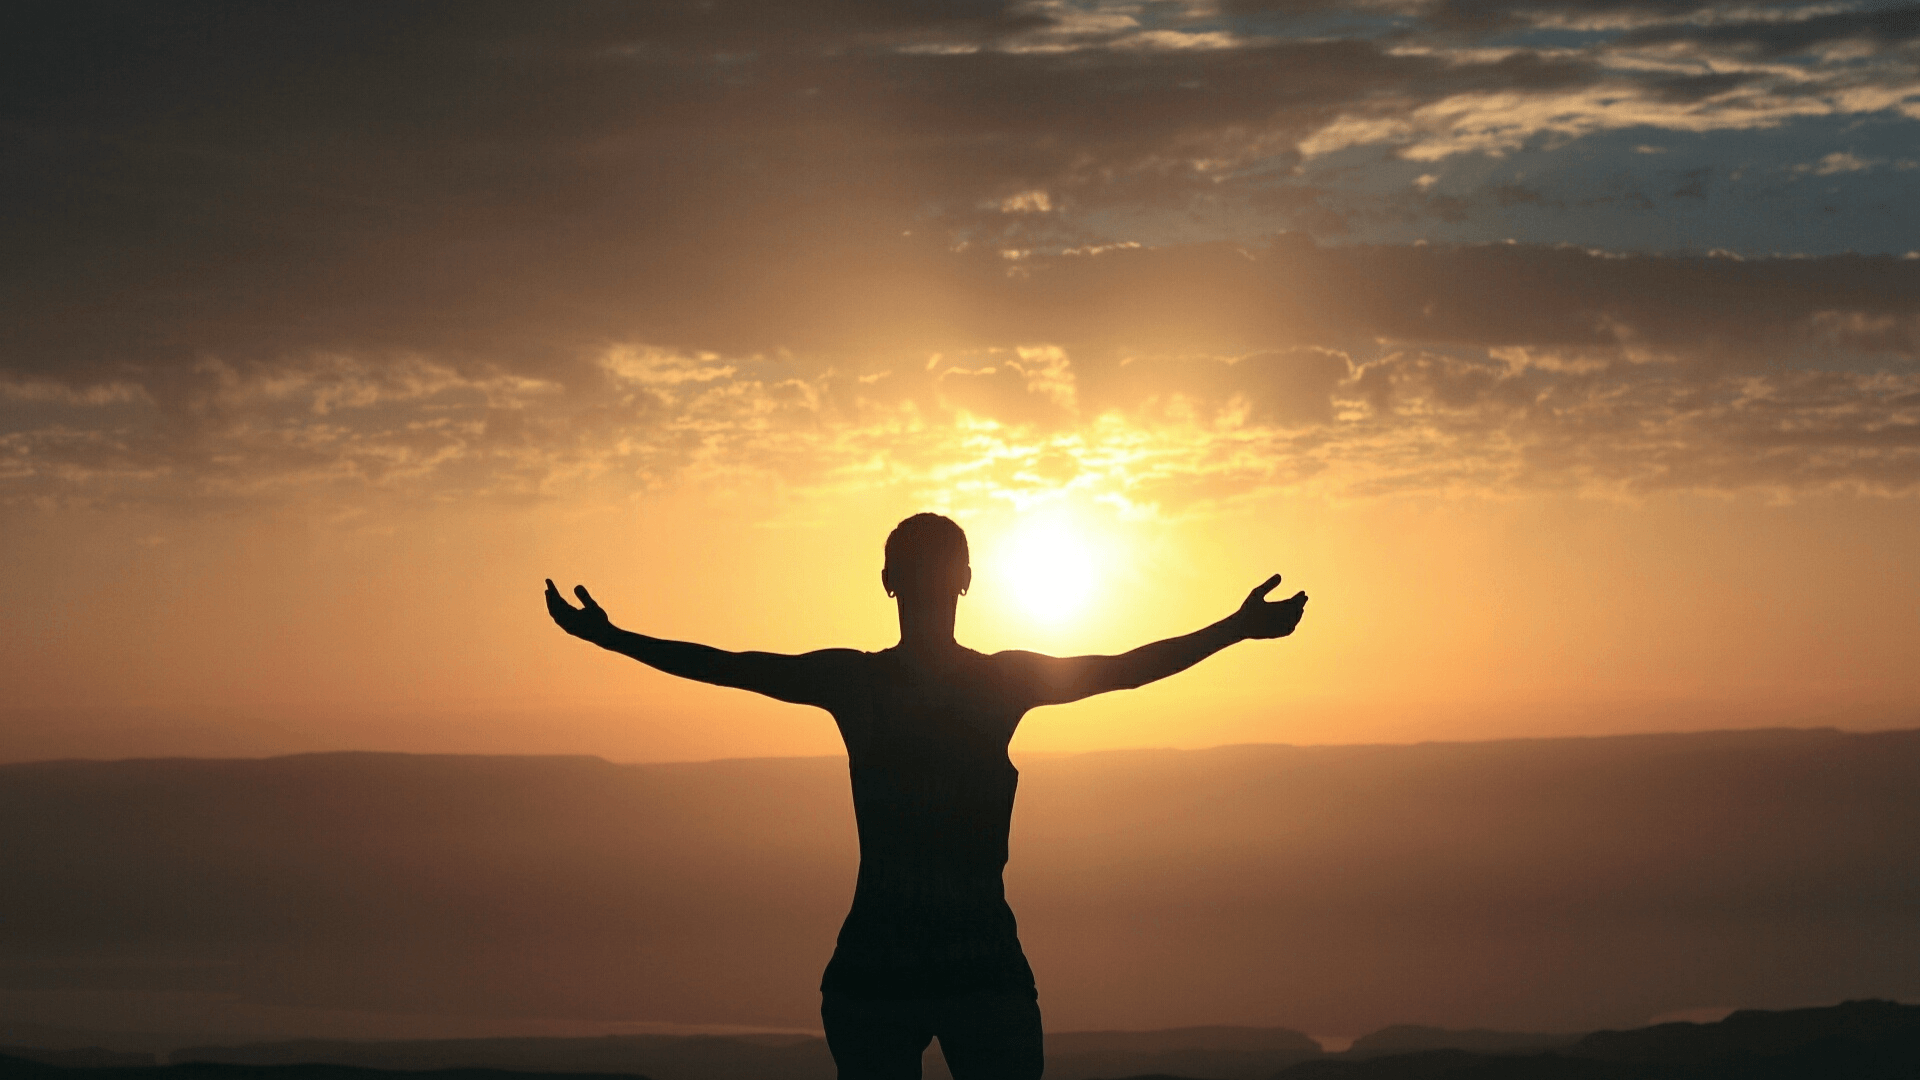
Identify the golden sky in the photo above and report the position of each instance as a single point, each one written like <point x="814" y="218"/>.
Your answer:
<point x="329" y="340"/>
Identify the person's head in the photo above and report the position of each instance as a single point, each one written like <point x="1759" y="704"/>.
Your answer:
<point x="926" y="558"/>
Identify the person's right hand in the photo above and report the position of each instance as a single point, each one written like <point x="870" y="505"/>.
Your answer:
<point x="588" y="621"/>
<point x="1260" y="618"/>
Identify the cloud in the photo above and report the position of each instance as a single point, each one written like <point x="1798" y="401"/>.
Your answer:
<point x="1634" y="92"/>
<point x="1163" y="377"/>
<point x="1837" y="162"/>
<point x="466" y="252"/>
<point x="359" y="155"/>
<point x="1788" y="31"/>
<point x="47" y="390"/>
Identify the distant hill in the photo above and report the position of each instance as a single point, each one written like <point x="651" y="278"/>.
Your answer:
<point x="1754" y="1033"/>
<point x="1414" y="1038"/>
<point x="1531" y="885"/>
<point x="1858" y="1040"/>
<point x="659" y="1057"/>
<point x="1220" y="1053"/>
<point x="1217" y="1053"/>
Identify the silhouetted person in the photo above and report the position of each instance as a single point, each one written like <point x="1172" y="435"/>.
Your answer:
<point x="930" y="948"/>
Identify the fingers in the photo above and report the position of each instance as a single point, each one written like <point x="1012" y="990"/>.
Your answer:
<point x="1261" y="590"/>
<point x="557" y="606"/>
<point x="558" y="602"/>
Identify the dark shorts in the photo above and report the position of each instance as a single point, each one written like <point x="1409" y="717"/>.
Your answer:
<point x="985" y="1036"/>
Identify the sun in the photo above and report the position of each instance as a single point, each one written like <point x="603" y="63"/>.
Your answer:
<point x="1049" y="567"/>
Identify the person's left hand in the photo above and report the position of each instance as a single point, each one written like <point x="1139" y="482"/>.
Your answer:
<point x="588" y="621"/>
<point x="1260" y="618"/>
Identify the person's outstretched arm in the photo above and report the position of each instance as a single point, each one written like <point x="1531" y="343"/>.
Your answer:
<point x="1055" y="680"/>
<point x="808" y="679"/>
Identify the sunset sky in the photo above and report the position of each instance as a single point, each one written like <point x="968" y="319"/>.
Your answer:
<point x="1562" y="350"/>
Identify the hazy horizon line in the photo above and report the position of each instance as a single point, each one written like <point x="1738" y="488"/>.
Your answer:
<point x="1032" y="755"/>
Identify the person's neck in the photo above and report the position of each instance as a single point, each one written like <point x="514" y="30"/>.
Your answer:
<point x="926" y="629"/>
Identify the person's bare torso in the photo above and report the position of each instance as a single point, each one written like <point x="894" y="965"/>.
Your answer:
<point x="933" y="794"/>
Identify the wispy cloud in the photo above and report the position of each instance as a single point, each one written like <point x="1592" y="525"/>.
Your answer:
<point x="1492" y="370"/>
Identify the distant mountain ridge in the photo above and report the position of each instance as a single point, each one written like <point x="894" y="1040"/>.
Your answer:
<point x="1222" y="1053"/>
<point x="1754" y="1032"/>
<point x="1856" y="1040"/>
<point x="1532" y="885"/>
<point x="1414" y="1038"/>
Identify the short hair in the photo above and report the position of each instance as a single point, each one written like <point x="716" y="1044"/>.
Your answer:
<point x="924" y="541"/>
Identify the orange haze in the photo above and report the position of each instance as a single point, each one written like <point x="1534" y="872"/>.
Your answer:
<point x="422" y="629"/>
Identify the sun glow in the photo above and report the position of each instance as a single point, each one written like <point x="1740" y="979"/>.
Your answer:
<point x="1049" y="568"/>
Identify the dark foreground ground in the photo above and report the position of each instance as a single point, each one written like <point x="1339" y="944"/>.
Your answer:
<point x="1858" y="1040"/>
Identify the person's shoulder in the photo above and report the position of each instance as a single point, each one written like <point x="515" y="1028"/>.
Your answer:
<point x="839" y="658"/>
<point x="1016" y="657"/>
<point x="1014" y="663"/>
<point x="835" y="672"/>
